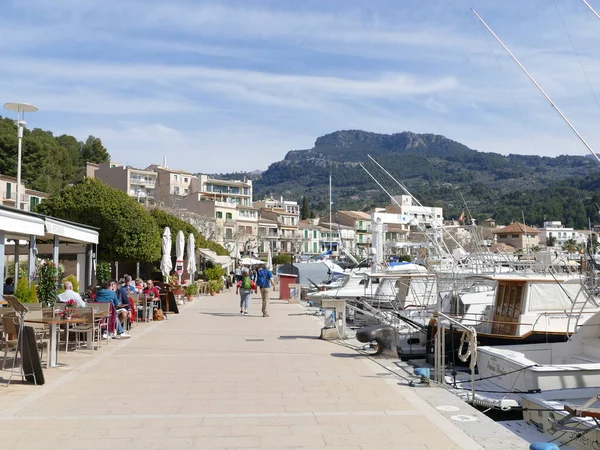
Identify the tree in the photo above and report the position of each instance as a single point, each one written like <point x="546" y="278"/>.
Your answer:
<point x="164" y="219"/>
<point x="93" y="151"/>
<point x="551" y="241"/>
<point x="127" y="231"/>
<point x="281" y="259"/>
<point x="305" y="209"/>
<point x="570" y="246"/>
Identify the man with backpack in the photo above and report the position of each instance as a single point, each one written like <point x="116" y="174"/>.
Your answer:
<point x="263" y="281"/>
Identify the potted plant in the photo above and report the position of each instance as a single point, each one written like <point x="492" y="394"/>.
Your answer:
<point x="191" y="290"/>
<point x="46" y="286"/>
<point x="214" y="286"/>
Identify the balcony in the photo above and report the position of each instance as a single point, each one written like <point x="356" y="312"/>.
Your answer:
<point x="147" y="182"/>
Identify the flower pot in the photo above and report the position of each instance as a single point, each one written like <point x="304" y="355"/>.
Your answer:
<point x="190" y="298"/>
<point x="212" y="292"/>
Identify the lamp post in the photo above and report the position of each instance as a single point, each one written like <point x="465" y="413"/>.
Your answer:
<point x="20" y="109"/>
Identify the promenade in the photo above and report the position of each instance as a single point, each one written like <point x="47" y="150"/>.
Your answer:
<point x="211" y="378"/>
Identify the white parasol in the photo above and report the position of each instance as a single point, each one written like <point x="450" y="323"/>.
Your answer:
<point x="191" y="249"/>
<point x="179" y="248"/>
<point x="269" y="259"/>
<point x="165" y="263"/>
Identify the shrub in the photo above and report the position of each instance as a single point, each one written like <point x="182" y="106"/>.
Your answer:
<point x="214" y="273"/>
<point x="406" y="258"/>
<point x="25" y="292"/>
<point x="215" y="285"/>
<point x="47" y="279"/>
<point x="103" y="272"/>
<point x="281" y="259"/>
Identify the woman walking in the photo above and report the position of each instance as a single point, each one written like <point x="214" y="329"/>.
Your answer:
<point x="245" y="288"/>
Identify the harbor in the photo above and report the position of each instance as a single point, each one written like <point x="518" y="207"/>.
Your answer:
<point x="210" y="378"/>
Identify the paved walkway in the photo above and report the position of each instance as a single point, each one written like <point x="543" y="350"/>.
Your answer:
<point x="211" y="378"/>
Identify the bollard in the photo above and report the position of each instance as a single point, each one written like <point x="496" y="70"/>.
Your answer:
<point x="384" y="335"/>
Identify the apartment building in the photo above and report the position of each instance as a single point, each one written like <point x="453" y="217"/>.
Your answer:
<point x="171" y="182"/>
<point x="137" y="183"/>
<point x="289" y="206"/>
<point x="558" y="231"/>
<point x="29" y="198"/>
<point x="427" y="216"/>
<point x="235" y="191"/>
<point x="360" y="222"/>
<point x="268" y="235"/>
<point x="288" y="228"/>
<point x="310" y="232"/>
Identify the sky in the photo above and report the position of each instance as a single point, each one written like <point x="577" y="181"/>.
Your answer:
<point x="224" y="85"/>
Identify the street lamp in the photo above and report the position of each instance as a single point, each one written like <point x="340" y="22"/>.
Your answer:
<point x="20" y="109"/>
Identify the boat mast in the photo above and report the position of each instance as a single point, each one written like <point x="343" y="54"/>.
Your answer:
<point x="556" y="108"/>
<point x="330" y="202"/>
<point x="591" y="9"/>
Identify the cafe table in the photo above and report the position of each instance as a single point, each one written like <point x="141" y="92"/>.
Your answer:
<point x="54" y="323"/>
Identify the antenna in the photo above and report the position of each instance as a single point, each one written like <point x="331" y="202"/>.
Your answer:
<point x="556" y="108"/>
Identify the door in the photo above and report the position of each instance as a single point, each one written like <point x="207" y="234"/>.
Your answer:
<point x="508" y="307"/>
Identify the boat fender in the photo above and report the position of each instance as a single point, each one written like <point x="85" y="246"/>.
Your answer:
<point x="543" y="446"/>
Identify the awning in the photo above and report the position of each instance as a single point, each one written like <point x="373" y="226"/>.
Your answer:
<point x="70" y="232"/>
<point x="223" y="261"/>
<point x="15" y="224"/>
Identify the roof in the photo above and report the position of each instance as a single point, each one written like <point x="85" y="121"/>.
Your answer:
<point x="154" y="167"/>
<point x="518" y="228"/>
<point x="501" y="248"/>
<point x="267" y="221"/>
<point x="356" y="215"/>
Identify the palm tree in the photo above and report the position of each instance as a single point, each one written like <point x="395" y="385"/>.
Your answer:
<point x="551" y="241"/>
<point x="570" y="246"/>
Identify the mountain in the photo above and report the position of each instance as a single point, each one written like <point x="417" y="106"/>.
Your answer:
<point x="437" y="170"/>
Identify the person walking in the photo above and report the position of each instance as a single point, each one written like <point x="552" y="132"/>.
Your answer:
<point x="263" y="281"/>
<point x="245" y="288"/>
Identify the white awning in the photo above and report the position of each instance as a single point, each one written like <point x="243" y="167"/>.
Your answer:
<point x="16" y="224"/>
<point x="223" y="261"/>
<point x="70" y="231"/>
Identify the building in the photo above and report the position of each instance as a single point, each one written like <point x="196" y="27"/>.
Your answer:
<point x="247" y="228"/>
<point x="268" y="235"/>
<point x="171" y="184"/>
<point x="29" y="198"/>
<point x="310" y="232"/>
<point x="137" y="183"/>
<point x="223" y="213"/>
<point x="289" y="237"/>
<point x="556" y="230"/>
<point x="427" y="216"/>
<point x="235" y="191"/>
<point x="517" y="236"/>
<point x="289" y="206"/>
<point x="360" y="222"/>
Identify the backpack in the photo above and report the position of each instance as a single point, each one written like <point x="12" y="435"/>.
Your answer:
<point x="246" y="283"/>
<point x="262" y="278"/>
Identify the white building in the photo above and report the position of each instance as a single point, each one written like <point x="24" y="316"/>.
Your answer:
<point x="427" y="216"/>
<point x="555" y="229"/>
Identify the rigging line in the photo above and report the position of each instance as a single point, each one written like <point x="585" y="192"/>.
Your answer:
<point x="556" y="108"/>
<point x="577" y="54"/>
<point x="512" y="94"/>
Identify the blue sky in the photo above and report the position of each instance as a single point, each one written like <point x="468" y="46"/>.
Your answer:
<point x="219" y="86"/>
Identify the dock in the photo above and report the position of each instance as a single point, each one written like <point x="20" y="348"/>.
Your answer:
<point x="210" y="377"/>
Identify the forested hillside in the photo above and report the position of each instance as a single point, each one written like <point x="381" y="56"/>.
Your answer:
<point x="437" y="170"/>
<point x="48" y="162"/>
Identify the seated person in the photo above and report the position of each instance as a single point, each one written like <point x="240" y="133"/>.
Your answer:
<point x="139" y="285"/>
<point x="90" y="294"/>
<point x="9" y="286"/>
<point x="70" y="294"/>
<point x="123" y="296"/>
<point x="151" y="290"/>
<point x="107" y="295"/>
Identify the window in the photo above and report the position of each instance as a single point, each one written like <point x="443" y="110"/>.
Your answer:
<point x="175" y="177"/>
<point x="306" y="247"/>
<point x="185" y="180"/>
<point x="176" y="190"/>
<point x="305" y="234"/>
<point x="8" y="190"/>
<point x="185" y="192"/>
<point x="315" y="247"/>
<point x="502" y="236"/>
<point x="514" y="236"/>
<point x="33" y="202"/>
<point x="314" y="234"/>
<point x="229" y="216"/>
<point x="219" y="215"/>
<point x="228" y="233"/>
